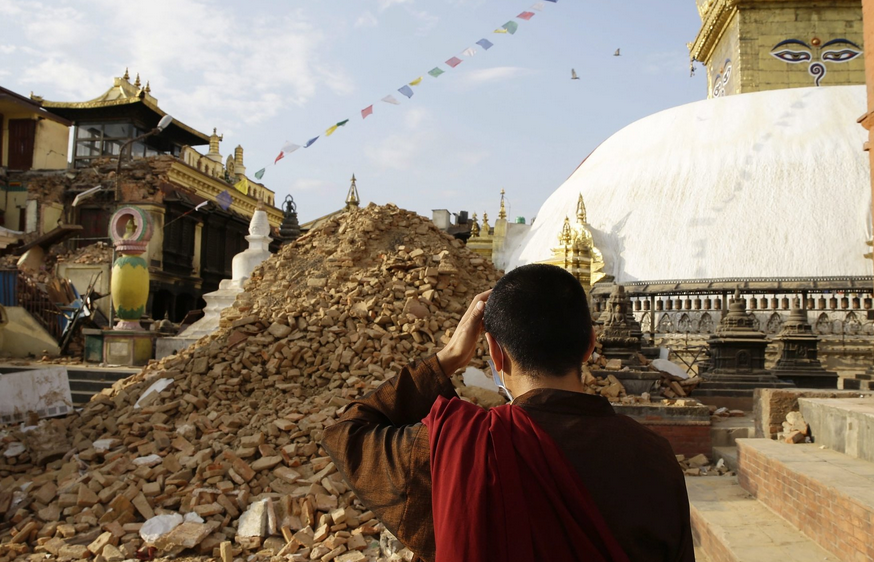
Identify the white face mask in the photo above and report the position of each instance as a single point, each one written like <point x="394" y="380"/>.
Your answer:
<point x="499" y="381"/>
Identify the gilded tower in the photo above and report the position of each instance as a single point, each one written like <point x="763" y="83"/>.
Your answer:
<point x="576" y="251"/>
<point x="756" y="45"/>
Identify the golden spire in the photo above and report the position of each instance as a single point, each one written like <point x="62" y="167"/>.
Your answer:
<point x="148" y="88"/>
<point x="486" y="228"/>
<point x="352" y="199"/>
<point x="137" y="83"/>
<point x="502" y="214"/>
<point x="581" y="210"/>
<point x="126" y="75"/>
<point x="565" y="236"/>
<point x="474" y="227"/>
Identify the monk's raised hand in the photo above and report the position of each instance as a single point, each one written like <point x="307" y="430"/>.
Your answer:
<point x="462" y="346"/>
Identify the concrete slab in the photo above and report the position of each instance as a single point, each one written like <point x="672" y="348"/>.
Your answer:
<point x="728" y="525"/>
<point x="843" y="425"/>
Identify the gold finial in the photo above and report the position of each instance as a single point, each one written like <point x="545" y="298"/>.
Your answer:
<point x="137" y="83"/>
<point x="126" y="75"/>
<point x="486" y="228"/>
<point x="148" y="88"/>
<point x="565" y="237"/>
<point x="502" y="213"/>
<point x="581" y="210"/>
<point x="352" y="199"/>
<point x="474" y="227"/>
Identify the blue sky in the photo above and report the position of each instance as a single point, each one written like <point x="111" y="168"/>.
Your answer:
<point x="265" y="72"/>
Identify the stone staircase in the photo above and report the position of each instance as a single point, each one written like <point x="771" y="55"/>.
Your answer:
<point x="859" y="382"/>
<point x="800" y="502"/>
<point x="85" y="380"/>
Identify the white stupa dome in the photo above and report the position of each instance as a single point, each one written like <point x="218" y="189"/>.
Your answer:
<point x="762" y="185"/>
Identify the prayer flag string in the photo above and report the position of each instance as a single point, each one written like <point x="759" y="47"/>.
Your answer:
<point x="508" y="28"/>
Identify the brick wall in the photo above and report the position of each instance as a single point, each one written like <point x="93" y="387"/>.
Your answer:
<point x="706" y="541"/>
<point x="689" y="440"/>
<point x="835" y="521"/>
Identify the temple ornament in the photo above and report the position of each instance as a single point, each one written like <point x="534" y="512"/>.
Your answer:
<point x="131" y="230"/>
<point x="576" y="251"/>
<point x="835" y="51"/>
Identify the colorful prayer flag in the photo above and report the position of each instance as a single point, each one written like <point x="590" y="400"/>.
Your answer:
<point x="469" y="52"/>
<point x="333" y="128"/>
<point x="366" y="111"/>
<point x="454" y="61"/>
<point x="287" y="149"/>
<point x="539" y="6"/>
<point x="391" y="99"/>
<point x="485" y="44"/>
<point x="500" y="30"/>
<point x="553" y="1"/>
<point x="525" y="16"/>
<point x="242" y="186"/>
<point x="416" y="82"/>
<point x="511" y="27"/>
<point x="311" y="142"/>
<point x="224" y="200"/>
<point x="435" y="72"/>
<point x="260" y="173"/>
<point x="406" y="90"/>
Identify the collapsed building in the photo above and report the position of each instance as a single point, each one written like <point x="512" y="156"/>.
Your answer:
<point x="117" y="148"/>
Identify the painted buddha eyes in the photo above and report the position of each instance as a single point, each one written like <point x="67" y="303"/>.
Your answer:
<point x="840" y="56"/>
<point x="793" y="57"/>
<point x="795" y="51"/>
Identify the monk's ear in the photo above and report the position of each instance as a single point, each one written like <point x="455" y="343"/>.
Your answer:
<point x="495" y="352"/>
<point x="592" y="339"/>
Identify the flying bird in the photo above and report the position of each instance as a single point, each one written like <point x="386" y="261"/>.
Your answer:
<point x="617" y="53"/>
<point x="574" y="75"/>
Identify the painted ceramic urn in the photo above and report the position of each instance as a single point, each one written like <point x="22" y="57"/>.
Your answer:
<point x="130" y="230"/>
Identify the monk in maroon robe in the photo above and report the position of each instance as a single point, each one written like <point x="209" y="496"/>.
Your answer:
<point x="556" y="475"/>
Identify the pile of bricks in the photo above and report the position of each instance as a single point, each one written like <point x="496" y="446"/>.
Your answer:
<point x="700" y="465"/>
<point x="97" y="253"/>
<point x="140" y="180"/>
<point x="215" y="451"/>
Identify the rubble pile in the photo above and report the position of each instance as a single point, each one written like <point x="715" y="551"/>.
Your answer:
<point x="93" y="254"/>
<point x="609" y="387"/>
<point x="215" y="451"/>
<point x="795" y="429"/>
<point x="700" y="465"/>
<point x="671" y="386"/>
<point x="140" y="180"/>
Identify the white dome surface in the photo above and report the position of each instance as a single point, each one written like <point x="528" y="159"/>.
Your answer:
<point x="763" y="185"/>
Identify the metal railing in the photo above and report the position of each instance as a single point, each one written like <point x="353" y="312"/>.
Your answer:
<point x="36" y="301"/>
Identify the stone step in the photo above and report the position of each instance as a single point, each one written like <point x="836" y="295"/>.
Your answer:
<point x="85" y="380"/>
<point x="728" y="525"/>
<point x="829" y="495"/>
<point x="728" y="455"/>
<point x="845" y="425"/>
<point x="724" y="432"/>
<point x="856" y="384"/>
<point x="79" y="385"/>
